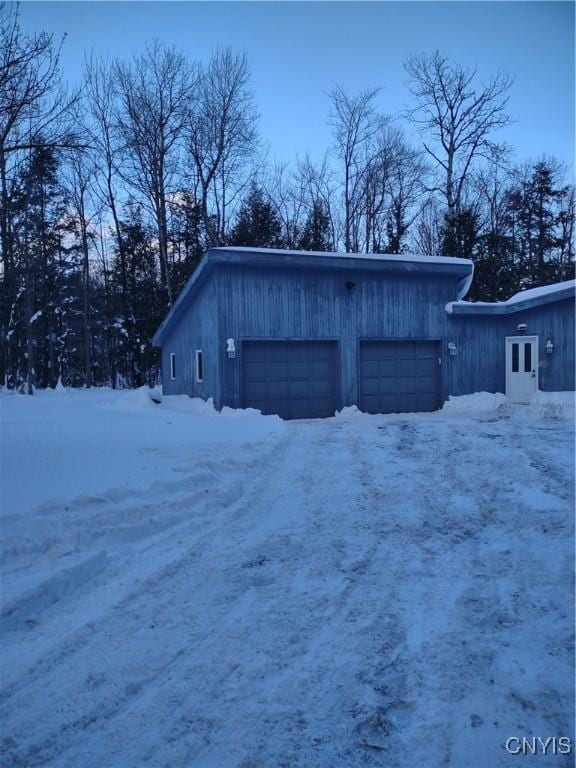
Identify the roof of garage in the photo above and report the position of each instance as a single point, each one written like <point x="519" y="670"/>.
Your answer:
<point x="278" y="258"/>
<point x="532" y="297"/>
<point x="312" y="256"/>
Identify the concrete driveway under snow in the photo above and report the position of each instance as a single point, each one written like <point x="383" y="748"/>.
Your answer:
<point x="359" y="591"/>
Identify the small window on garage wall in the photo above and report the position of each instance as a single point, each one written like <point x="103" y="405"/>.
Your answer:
<point x="199" y="366"/>
<point x="172" y="365"/>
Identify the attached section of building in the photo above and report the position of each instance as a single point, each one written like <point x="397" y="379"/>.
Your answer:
<point x="303" y="334"/>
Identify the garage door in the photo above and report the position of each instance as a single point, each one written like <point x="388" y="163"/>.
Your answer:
<point x="397" y="376"/>
<point x="295" y="379"/>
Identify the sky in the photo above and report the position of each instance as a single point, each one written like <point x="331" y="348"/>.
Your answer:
<point x="298" y="51"/>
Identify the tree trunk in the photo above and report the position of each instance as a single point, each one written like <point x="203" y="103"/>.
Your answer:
<point x="30" y="373"/>
<point x="120" y="239"/>
<point x="163" y="242"/>
<point x="86" y="300"/>
<point x="347" y="247"/>
<point x="8" y="363"/>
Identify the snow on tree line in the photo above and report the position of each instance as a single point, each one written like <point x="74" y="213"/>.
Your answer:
<point x="111" y="193"/>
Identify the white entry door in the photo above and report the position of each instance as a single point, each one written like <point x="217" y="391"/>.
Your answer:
<point x="521" y="367"/>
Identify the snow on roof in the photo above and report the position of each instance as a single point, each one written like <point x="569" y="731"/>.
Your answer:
<point x="543" y="290"/>
<point x="541" y="295"/>
<point x="340" y="255"/>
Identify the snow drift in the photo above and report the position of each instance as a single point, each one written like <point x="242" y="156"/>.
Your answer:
<point x="477" y="402"/>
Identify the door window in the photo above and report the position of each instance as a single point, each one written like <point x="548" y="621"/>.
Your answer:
<point x="515" y="357"/>
<point x="528" y="357"/>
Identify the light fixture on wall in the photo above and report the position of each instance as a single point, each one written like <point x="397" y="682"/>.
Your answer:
<point x="230" y="348"/>
<point x="549" y="346"/>
<point x="521" y="327"/>
<point x="452" y="349"/>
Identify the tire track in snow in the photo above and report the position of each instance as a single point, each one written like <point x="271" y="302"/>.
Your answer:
<point x="478" y="526"/>
<point x="65" y="653"/>
<point x="383" y="719"/>
<point x="326" y="616"/>
<point x="313" y="510"/>
<point x="346" y="617"/>
<point x="396" y="722"/>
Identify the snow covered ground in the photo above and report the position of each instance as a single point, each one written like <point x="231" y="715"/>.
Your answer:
<point x="187" y="589"/>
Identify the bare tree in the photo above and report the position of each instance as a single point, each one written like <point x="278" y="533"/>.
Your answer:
<point x="355" y="123"/>
<point x="566" y="221"/>
<point x="100" y="103"/>
<point x="222" y="134"/>
<point x="287" y="193"/>
<point x="380" y="166"/>
<point x="427" y="236"/>
<point x="491" y="183"/>
<point x="155" y="91"/>
<point x="457" y="116"/>
<point x="80" y="186"/>
<point x="406" y="181"/>
<point x="320" y="186"/>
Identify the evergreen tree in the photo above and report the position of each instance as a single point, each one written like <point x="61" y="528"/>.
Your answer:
<point x="396" y="229"/>
<point x="496" y="273"/>
<point x="41" y="323"/>
<point x="257" y="224"/>
<point x="134" y="361"/>
<point x="538" y="223"/>
<point x="187" y="235"/>
<point x="529" y="241"/>
<point x="316" y="233"/>
<point x="459" y="233"/>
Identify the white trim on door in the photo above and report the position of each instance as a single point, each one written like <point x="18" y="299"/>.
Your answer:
<point x="521" y="383"/>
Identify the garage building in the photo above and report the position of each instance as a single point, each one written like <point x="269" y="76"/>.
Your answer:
<point x="302" y="334"/>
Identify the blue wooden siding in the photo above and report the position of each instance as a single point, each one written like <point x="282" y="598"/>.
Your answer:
<point x="253" y="302"/>
<point x="198" y="329"/>
<point x="257" y="303"/>
<point x="480" y="362"/>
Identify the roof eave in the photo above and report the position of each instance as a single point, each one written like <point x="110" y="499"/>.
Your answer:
<point x="504" y="308"/>
<point x="343" y="262"/>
